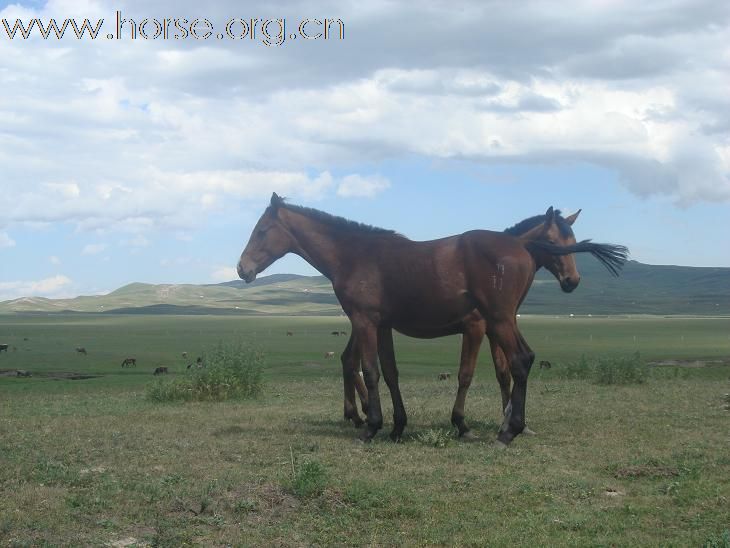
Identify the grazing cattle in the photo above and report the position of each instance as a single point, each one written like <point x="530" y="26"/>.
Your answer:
<point x="328" y="355"/>
<point x="544" y="364"/>
<point x="336" y="333"/>
<point x="444" y="376"/>
<point x="160" y="371"/>
<point x="81" y="350"/>
<point x="4" y="347"/>
<point x="199" y="363"/>
<point x="343" y="332"/>
<point x="185" y="355"/>
<point x="23" y="373"/>
<point x="384" y="281"/>
<point x="129" y="362"/>
<point x="289" y="333"/>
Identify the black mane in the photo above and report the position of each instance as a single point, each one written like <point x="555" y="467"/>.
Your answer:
<point x="334" y="221"/>
<point x="532" y="222"/>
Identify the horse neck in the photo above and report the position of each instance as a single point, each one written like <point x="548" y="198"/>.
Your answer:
<point x="314" y="241"/>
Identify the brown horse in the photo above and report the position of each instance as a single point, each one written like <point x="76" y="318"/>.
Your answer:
<point x="472" y="329"/>
<point x="385" y="281"/>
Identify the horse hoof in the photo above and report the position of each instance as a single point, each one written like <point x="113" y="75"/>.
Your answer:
<point x="468" y="436"/>
<point x="366" y="436"/>
<point x="395" y="437"/>
<point x="528" y="432"/>
<point x="499" y="445"/>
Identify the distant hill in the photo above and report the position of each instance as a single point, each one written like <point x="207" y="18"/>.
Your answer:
<point x="641" y="289"/>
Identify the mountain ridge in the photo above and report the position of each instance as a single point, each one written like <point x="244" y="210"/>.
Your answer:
<point x="641" y="289"/>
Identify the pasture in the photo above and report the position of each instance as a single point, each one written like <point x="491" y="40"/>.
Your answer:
<point x="91" y="461"/>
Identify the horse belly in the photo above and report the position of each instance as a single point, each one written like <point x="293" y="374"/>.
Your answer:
<point x="424" y="313"/>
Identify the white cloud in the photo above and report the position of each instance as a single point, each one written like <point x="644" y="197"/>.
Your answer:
<point x="224" y="274"/>
<point x="47" y="287"/>
<point x="93" y="249"/>
<point x="134" y="136"/>
<point x="6" y="241"/>
<point x="54" y="260"/>
<point x="138" y="241"/>
<point x="356" y="186"/>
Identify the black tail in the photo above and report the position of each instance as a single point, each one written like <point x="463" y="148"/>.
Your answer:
<point x="611" y="256"/>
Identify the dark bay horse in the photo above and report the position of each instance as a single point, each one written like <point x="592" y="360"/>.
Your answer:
<point x="385" y="281"/>
<point x="472" y="329"/>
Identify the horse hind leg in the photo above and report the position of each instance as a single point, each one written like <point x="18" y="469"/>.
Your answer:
<point x="386" y="353"/>
<point x="350" y="377"/>
<point x="366" y="334"/>
<point x="471" y="342"/>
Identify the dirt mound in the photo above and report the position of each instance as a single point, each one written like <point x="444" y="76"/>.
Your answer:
<point x="54" y="375"/>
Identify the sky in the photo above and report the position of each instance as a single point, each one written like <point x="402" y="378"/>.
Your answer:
<point x="149" y="160"/>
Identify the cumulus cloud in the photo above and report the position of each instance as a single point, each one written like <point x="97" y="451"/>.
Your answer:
<point x="93" y="249"/>
<point x="224" y="274"/>
<point x="356" y="186"/>
<point x="133" y="136"/>
<point x="48" y="287"/>
<point x="6" y="241"/>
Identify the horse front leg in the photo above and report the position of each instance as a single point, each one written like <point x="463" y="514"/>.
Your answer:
<point x="520" y="357"/>
<point x="386" y="353"/>
<point x="350" y="377"/>
<point x="470" y="344"/>
<point x="367" y="338"/>
<point x="504" y="377"/>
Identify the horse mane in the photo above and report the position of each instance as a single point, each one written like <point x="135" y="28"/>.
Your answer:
<point x="339" y="223"/>
<point x="531" y="222"/>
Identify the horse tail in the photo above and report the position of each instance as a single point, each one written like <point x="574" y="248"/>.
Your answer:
<point x="611" y="256"/>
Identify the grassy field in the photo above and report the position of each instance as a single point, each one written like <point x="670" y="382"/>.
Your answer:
<point x="93" y="462"/>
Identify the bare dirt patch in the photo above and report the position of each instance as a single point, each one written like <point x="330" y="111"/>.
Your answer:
<point x="691" y="363"/>
<point x="646" y="471"/>
<point x="53" y="375"/>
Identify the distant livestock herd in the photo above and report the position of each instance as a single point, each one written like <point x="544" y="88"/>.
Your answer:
<point x="198" y="364"/>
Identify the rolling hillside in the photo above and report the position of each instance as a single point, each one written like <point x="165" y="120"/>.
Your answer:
<point x="641" y="289"/>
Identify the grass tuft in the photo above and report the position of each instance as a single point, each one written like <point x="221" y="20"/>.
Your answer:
<point x="721" y="540"/>
<point x="310" y="479"/>
<point x="232" y="371"/>
<point x="435" y="437"/>
<point x="621" y="370"/>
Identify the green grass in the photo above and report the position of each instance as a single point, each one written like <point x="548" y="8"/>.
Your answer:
<point x="89" y="462"/>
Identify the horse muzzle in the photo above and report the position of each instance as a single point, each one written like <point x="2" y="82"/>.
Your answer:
<point x="246" y="275"/>
<point x="569" y="284"/>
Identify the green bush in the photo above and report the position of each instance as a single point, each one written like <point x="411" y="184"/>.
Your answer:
<point x="721" y="540"/>
<point x="614" y="370"/>
<point x="232" y="371"/>
<point x="435" y="438"/>
<point x="581" y="369"/>
<point x="310" y="479"/>
<point x="621" y="370"/>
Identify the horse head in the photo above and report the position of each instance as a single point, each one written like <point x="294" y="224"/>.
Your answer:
<point x="269" y="241"/>
<point x="556" y="231"/>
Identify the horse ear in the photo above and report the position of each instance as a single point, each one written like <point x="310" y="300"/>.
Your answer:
<point x="571" y="219"/>
<point x="276" y="200"/>
<point x="549" y="216"/>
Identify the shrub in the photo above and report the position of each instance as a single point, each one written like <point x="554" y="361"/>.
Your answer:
<point x="232" y="371"/>
<point x="310" y="479"/>
<point x="621" y="370"/>
<point x="435" y="438"/>
<point x="581" y="369"/>
<point x="721" y="540"/>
